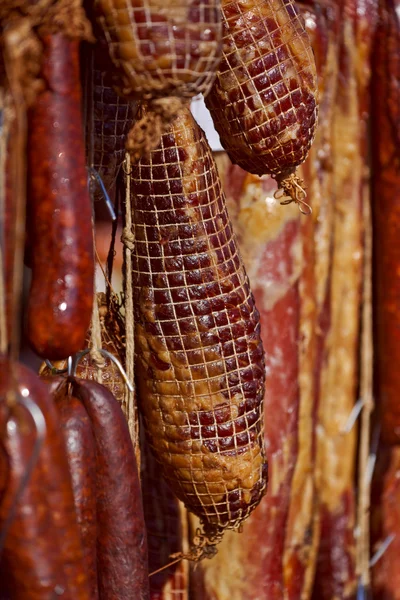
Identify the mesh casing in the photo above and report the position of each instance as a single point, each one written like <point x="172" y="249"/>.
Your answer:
<point x="162" y="48"/>
<point x="113" y="117"/>
<point x="165" y="534"/>
<point x="199" y="357"/>
<point x="109" y="117"/>
<point x="264" y="99"/>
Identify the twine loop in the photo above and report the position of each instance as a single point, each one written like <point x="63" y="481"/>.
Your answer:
<point x="291" y="189"/>
<point x="128" y="239"/>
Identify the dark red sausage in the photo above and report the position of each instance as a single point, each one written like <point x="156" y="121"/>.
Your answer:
<point x="121" y="541"/>
<point x="81" y="454"/>
<point x="8" y="218"/>
<point x="42" y="549"/>
<point x="386" y="213"/>
<point x="30" y="566"/>
<point x="59" y="208"/>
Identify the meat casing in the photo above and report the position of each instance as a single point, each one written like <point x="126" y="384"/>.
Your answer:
<point x="42" y="551"/>
<point x="264" y="99"/>
<point x="199" y="356"/>
<point x="121" y="533"/>
<point x="81" y="455"/>
<point x="59" y="209"/>
<point x="162" y="48"/>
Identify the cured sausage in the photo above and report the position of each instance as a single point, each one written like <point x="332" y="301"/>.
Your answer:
<point x="386" y="212"/>
<point x="81" y="455"/>
<point x="59" y="208"/>
<point x="109" y="118"/>
<point x="42" y="555"/>
<point x="121" y="534"/>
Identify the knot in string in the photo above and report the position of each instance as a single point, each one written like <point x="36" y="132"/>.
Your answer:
<point x="97" y="358"/>
<point x="145" y="135"/>
<point x="291" y="189"/>
<point x="204" y="545"/>
<point x="128" y="239"/>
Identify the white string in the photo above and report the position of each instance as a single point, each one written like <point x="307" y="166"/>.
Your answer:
<point x="128" y="241"/>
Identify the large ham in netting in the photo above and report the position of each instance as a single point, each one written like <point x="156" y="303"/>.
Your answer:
<point x="199" y="356"/>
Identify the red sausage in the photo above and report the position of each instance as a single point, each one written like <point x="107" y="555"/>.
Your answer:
<point x="81" y="454"/>
<point x="121" y="541"/>
<point x="30" y="566"/>
<point x="386" y="213"/>
<point x="8" y="218"/>
<point x="59" y="208"/>
<point x="42" y="552"/>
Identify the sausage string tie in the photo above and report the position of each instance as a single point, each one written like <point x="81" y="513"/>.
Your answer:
<point x="95" y="340"/>
<point x="155" y="119"/>
<point x="204" y="546"/>
<point x="366" y="459"/>
<point x="291" y="189"/>
<point x="128" y="241"/>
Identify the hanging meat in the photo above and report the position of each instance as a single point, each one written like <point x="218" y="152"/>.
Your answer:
<point x="264" y="100"/>
<point x="199" y="356"/>
<point x="162" y="48"/>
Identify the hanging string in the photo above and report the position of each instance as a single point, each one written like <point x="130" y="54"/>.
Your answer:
<point x="111" y="251"/>
<point x="127" y="239"/>
<point x="366" y="393"/>
<point x="95" y="344"/>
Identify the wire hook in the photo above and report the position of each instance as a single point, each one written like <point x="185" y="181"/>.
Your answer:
<point x="54" y="369"/>
<point x="75" y="360"/>
<point x="40" y="426"/>
<point x="95" y="176"/>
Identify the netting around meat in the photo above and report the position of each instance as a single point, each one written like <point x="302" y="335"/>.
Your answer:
<point x="162" y="48"/>
<point x="108" y="121"/>
<point x="166" y="532"/>
<point x="199" y="356"/>
<point x="263" y="102"/>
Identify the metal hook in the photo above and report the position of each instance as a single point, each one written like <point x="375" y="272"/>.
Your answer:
<point x="54" y="369"/>
<point x="69" y="366"/>
<point x="369" y="471"/>
<point x="353" y="416"/>
<point x="382" y="549"/>
<point x="363" y="592"/>
<point x="94" y="176"/>
<point x="40" y="426"/>
<point x="113" y="359"/>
